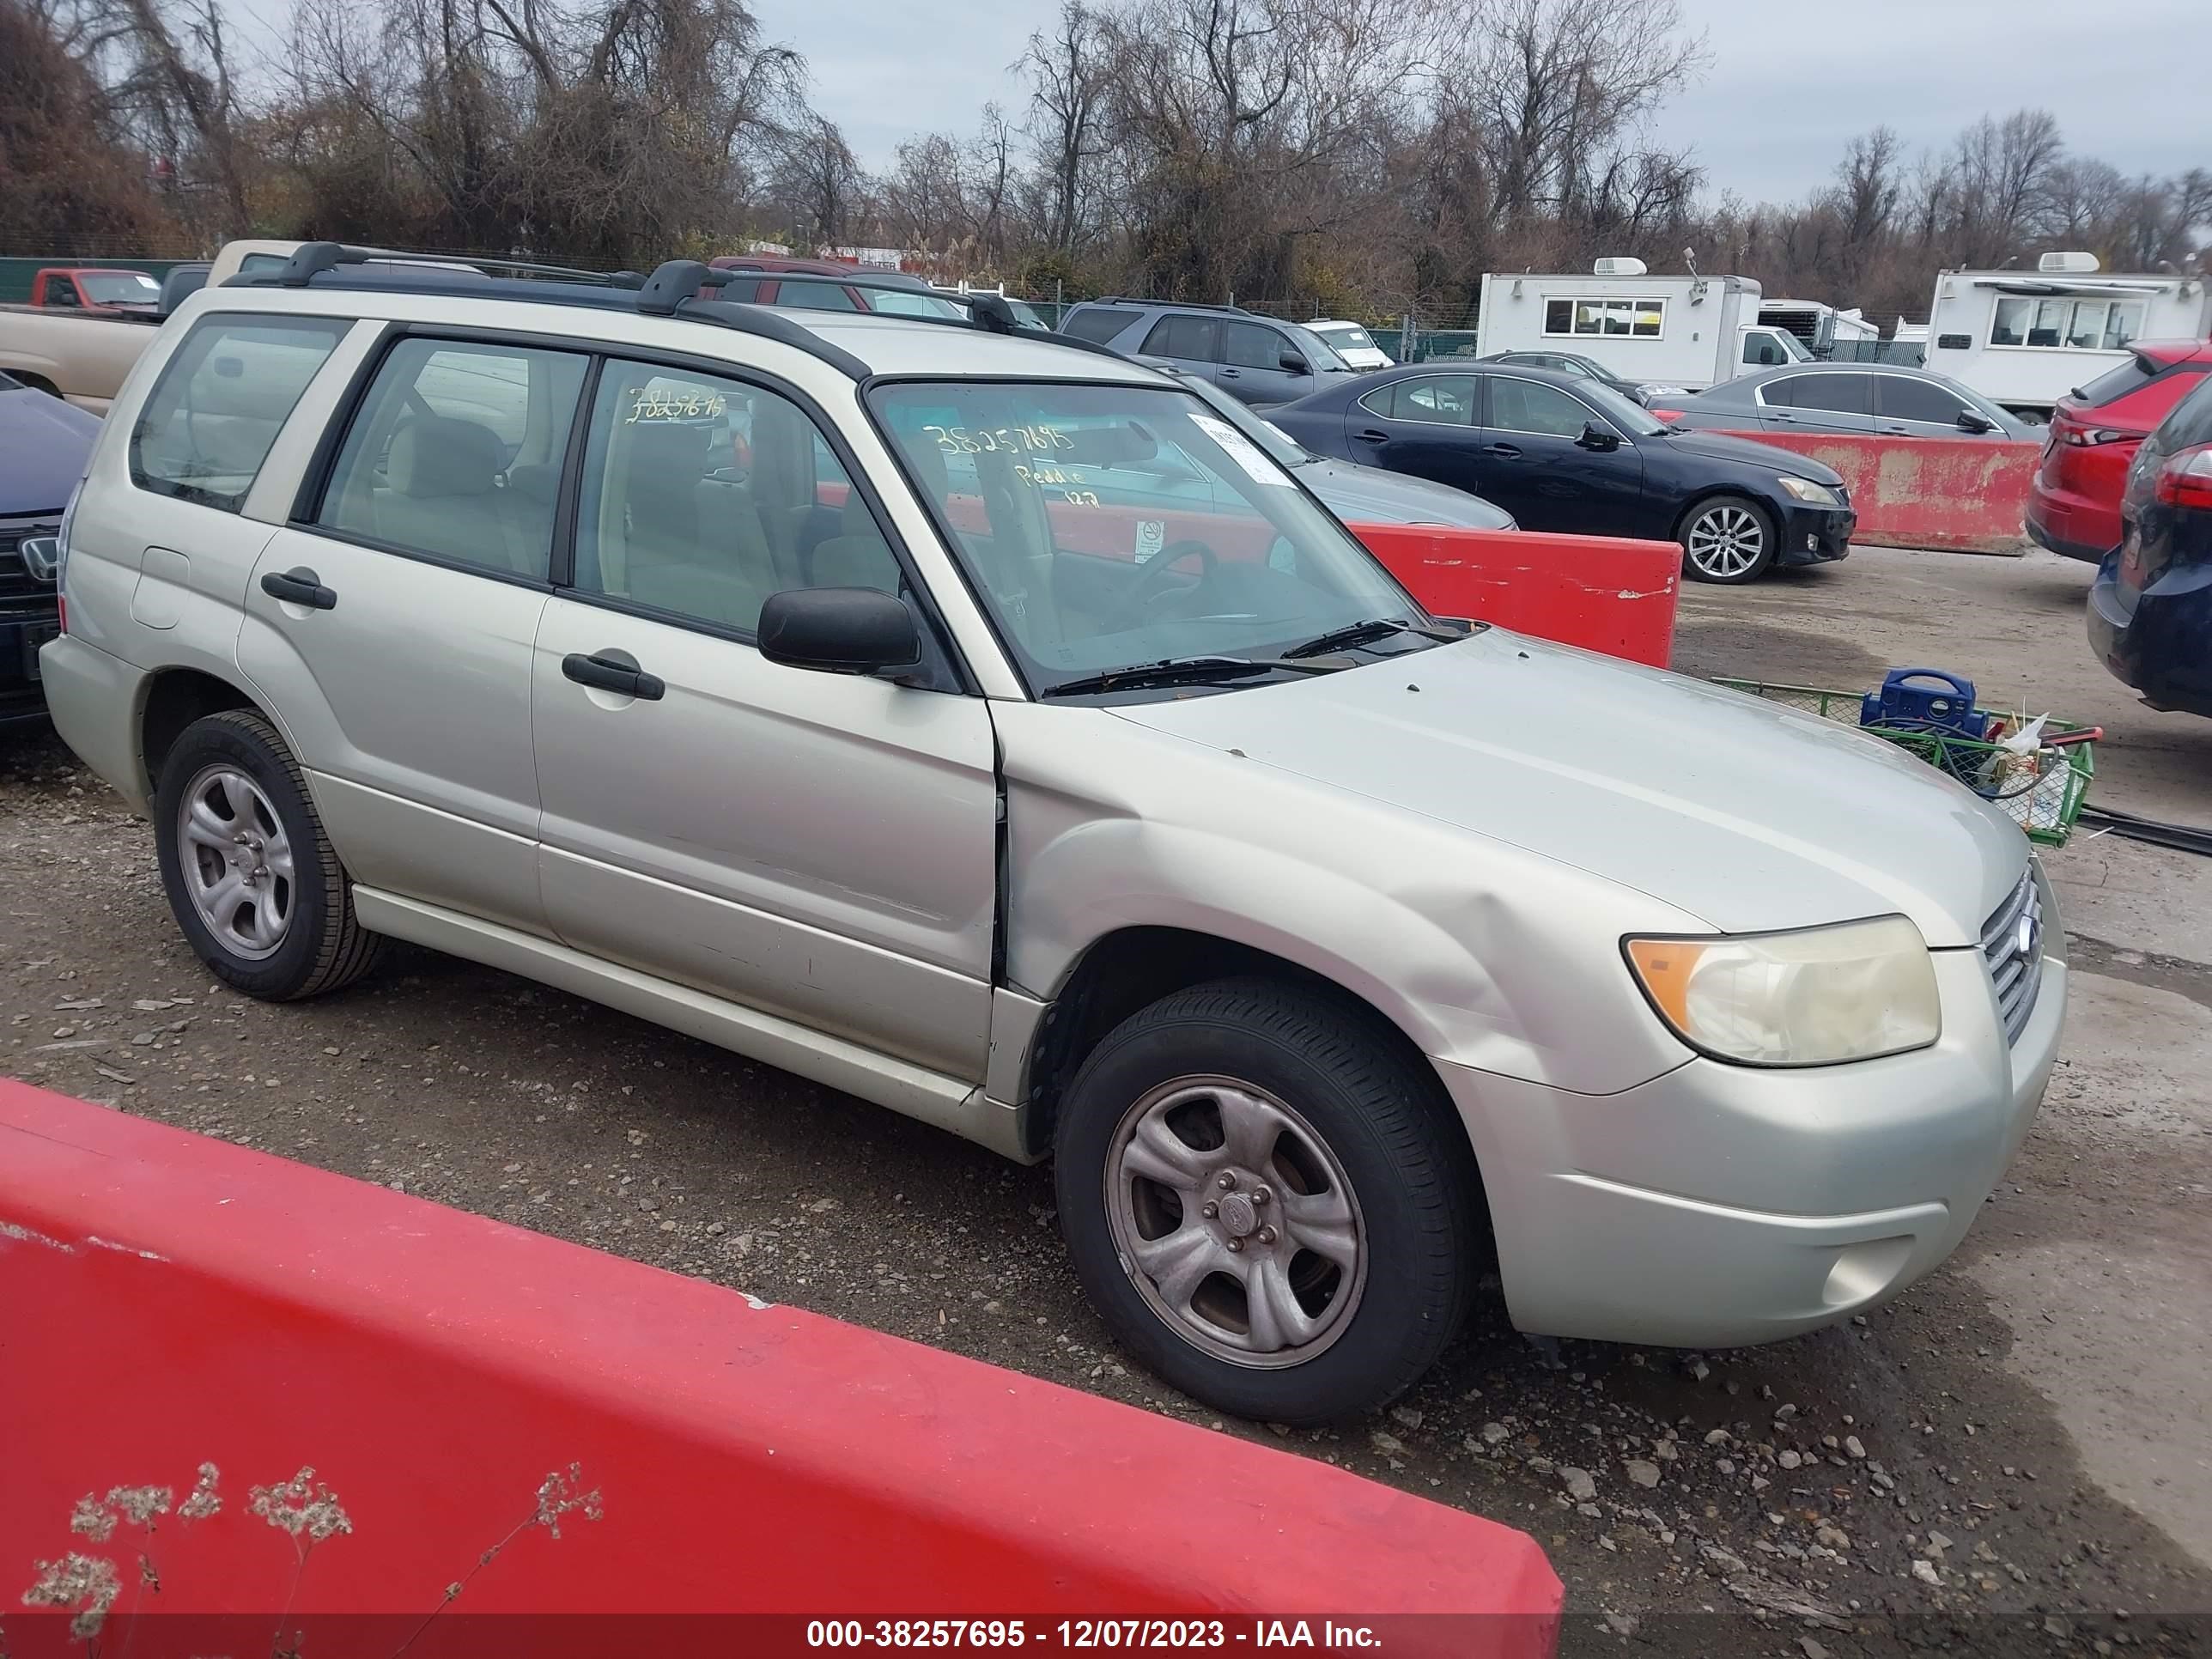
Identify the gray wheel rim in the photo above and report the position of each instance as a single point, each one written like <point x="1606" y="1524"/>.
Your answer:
<point x="236" y="861"/>
<point x="1725" y="540"/>
<point x="1236" y="1222"/>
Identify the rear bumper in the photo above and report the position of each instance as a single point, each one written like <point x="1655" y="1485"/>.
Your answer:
<point x="1815" y="535"/>
<point x="1719" y="1205"/>
<point x="2071" y="526"/>
<point x="94" y="700"/>
<point x="2159" y="640"/>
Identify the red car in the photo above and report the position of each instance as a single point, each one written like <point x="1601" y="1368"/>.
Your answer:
<point x="812" y="285"/>
<point x="2073" y="507"/>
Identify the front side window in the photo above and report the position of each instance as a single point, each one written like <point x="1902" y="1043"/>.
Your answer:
<point x="60" y="291"/>
<point x="456" y="453"/>
<point x="1434" y="400"/>
<point x="701" y="496"/>
<point x="1904" y="398"/>
<point x="222" y="398"/>
<point x="1642" y="319"/>
<point x="1518" y="405"/>
<point x="1105" y="526"/>
<point x="1249" y="345"/>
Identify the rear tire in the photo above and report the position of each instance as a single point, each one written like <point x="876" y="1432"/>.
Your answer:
<point x="1338" y="1260"/>
<point x="251" y="877"/>
<point x="1728" y="539"/>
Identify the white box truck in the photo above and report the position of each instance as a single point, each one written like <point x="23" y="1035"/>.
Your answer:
<point x="1820" y="327"/>
<point x="2024" y="339"/>
<point x="1670" y="334"/>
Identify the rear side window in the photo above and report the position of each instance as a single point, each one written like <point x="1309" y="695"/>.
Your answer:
<point x="2115" y="384"/>
<point x="211" y="418"/>
<point x="1433" y="399"/>
<point x="1191" y="338"/>
<point x="1842" y="394"/>
<point x="455" y="452"/>
<point x="1097" y="325"/>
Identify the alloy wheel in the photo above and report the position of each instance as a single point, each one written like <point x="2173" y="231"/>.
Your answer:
<point x="1725" y="541"/>
<point x="237" y="861"/>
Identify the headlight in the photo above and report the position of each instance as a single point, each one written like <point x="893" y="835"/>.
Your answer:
<point x="1814" y="998"/>
<point x="1806" y="491"/>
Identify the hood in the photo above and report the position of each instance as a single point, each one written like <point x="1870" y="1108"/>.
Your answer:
<point x="1714" y="446"/>
<point x="1749" y="814"/>
<point x="1369" y="494"/>
<point x="44" y="445"/>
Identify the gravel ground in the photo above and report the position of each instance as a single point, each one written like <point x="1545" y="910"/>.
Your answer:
<point x="2013" y="1458"/>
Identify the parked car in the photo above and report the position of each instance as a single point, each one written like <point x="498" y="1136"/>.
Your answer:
<point x="1570" y="362"/>
<point x="1861" y="400"/>
<point x="2074" y="506"/>
<point x="1352" y="343"/>
<point x="79" y="357"/>
<point x="1562" y="453"/>
<point x="1356" y="494"/>
<point x="1260" y="360"/>
<point x="1335" y="954"/>
<point x="94" y="288"/>
<point x="825" y="285"/>
<point x="44" y="443"/>
<point x="2150" y="607"/>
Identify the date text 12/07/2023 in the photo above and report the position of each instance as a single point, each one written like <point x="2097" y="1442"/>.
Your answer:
<point x="1405" y="1633"/>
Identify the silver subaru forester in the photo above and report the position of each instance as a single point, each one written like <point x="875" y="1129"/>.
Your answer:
<point x="981" y="724"/>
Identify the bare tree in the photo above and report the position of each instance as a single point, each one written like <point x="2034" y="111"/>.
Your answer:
<point x="1069" y="72"/>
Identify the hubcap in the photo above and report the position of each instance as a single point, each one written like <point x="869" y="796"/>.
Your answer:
<point x="237" y="861"/>
<point x="1726" y="541"/>
<point x="1236" y="1221"/>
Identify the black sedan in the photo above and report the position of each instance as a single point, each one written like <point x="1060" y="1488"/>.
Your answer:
<point x="1565" y="455"/>
<point x="2150" y="608"/>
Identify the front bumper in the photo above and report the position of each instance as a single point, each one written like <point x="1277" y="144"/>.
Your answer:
<point x="1815" y="535"/>
<point x="1722" y="1205"/>
<point x="21" y="633"/>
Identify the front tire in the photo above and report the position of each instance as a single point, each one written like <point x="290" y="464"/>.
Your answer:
<point x="251" y="879"/>
<point x="1728" y="539"/>
<point x="1265" y="1201"/>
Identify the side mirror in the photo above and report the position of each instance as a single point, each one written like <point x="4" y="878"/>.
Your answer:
<point x="1972" y="420"/>
<point x="1597" y="437"/>
<point x="1293" y="362"/>
<point x="839" y="630"/>
<point x="41" y="556"/>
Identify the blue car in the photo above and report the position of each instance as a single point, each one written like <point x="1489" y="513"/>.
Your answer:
<point x="1565" y="453"/>
<point x="44" y="445"/>
<point x="2150" y="608"/>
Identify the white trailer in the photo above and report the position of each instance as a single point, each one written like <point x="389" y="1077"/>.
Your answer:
<point x="2024" y="339"/>
<point x="1668" y="333"/>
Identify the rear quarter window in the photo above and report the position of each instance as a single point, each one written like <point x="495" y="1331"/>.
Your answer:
<point x="1098" y="325"/>
<point x="204" y="430"/>
<point x="2116" y="383"/>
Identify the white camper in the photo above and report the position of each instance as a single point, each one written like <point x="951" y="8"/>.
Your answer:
<point x="2024" y="339"/>
<point x="1667" y="333"/>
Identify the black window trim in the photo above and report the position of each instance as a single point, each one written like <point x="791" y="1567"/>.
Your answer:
<point x="168" y="489"/>
<point x="945" y="668"/>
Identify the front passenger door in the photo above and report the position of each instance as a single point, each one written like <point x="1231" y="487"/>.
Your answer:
<point x="1252" y="370"/>
<point x="1823" y="400"/>
<point x="818" y="846"/>
<point x="1539" y="464"/>
<point x="1907" y="406"/>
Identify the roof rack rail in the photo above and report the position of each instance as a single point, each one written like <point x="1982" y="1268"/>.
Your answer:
<point x="311" y="259"/>
<point x="1177" y="305"/>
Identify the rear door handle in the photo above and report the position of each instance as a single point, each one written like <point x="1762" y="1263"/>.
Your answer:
<point x="1504" y="452"/>
<point x="1372" y="436"/>
<point x="299" y="585"/>
<point x="606" y="674"/>
<point x="1229" y="374"/>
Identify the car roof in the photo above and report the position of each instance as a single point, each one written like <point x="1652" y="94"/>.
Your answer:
<point x="904" y="346"/>
<point x="2166" y="353"/>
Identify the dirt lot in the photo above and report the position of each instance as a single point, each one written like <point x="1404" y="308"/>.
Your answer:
<point x="2012" y="1459"/>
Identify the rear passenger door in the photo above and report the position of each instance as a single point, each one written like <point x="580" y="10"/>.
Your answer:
<point x="1426" y="426"/>
<point x="392" y="621"/>
<point x="819" y="846"/>
<point x="1821" y="400"/>
<point x="1194" y="343"/>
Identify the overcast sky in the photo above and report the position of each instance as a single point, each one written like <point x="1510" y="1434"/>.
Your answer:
<point x="1769" y="120"/>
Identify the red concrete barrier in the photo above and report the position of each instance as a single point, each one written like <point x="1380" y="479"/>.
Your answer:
<point x="173" y="1307"/>
<point x="1966" y="497"/>
<point x="1602" y="592"/>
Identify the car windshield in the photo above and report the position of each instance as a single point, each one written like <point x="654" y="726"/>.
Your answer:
<point x="1266" y="434"/>
<point x="1630" y="418"/>
<point x="1114" y="526"/>
<point x="120" y="287"/>
<point x="1347" y="334"/>
<point x="1320" y="350"/>
<point x="900" y="303"/>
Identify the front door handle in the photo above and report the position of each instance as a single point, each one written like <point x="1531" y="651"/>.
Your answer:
<point x="608" y="674"/>
<point x="1230" y="374"/>
<point x="1372" y="436"/>
<point x="1503" y="452"/>
<point x="299" y="585"/>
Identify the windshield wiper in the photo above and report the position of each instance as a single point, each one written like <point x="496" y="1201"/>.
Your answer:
<point x="1363" y="633"/>
<point x="1177" y="671"/>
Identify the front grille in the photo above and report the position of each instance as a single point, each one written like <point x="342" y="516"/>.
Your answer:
<point x="16" y="582"/>
<point x="2014" y="954"/>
